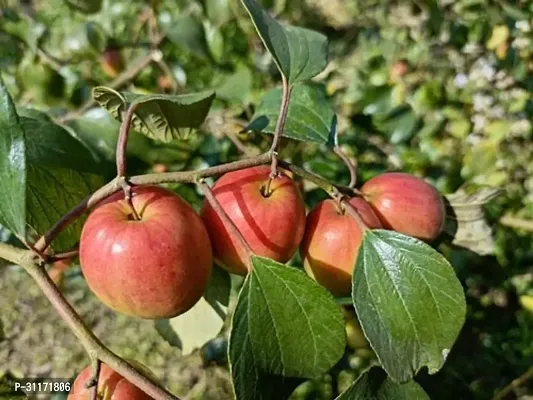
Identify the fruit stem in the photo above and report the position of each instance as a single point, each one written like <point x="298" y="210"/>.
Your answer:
<point x="92" y="383"/>
<point x="350" y="210"/>
<point x="123" y="139"/>
<point x="208" y="193"/>
<point x="280" y="125"/>
<point x="352" y="167"/>
<point x="126" y="187"/>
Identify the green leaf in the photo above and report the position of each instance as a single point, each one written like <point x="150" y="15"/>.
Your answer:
<point x="187" y="32"/>
<point x="85" y="6"/>
<point x="61" y="172"/>
<point x="158" y="116"/>
<point x="236" y="88"/>
<point x="410" y="303"/>
<point x="299" y="53"/>
<point x="282" y="314"/>
<point x="310" y="116"/>
<point x="214" y="40"/>
<point x="400" y="125"/>
<point x="374" y="384"/>
<point x="218" y="11"/>
<point x="12" y="167"/>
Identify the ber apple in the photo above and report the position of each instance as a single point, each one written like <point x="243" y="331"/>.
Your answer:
<point x="111" y="386"/>
<point x="272" y="225"/>
<point x="331" y="243"/>
<point x="406" y="204"/>
<point x="155" y="267"/>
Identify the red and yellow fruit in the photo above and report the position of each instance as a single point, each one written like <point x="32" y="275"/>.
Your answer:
<point x="406" y="204"/>
<point x="155" y="267"/>
<point x="272" y="225"/>
<point x="111" y="386"/>
<point x="331" y="243"/>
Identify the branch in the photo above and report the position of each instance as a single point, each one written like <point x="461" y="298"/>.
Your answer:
<point x="92" y="383"/>
<point x="352" y="212"/>
<point x="123" y="139"/>
<point x="351" y="166"/>
<point x="518" y="223"/>
<point x="148" y="179"/>
<point x="332" y="189"/>
<point x="210" y="197"/>
<point x="514" y="384"/>
<point x="96" y="349"/>
<point x="138" y="65"/>
<point x="280" y="126"/>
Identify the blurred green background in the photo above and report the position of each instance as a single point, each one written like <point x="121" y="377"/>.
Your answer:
<point x="441" y="89"/>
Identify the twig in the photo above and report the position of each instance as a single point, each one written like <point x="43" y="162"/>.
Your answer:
<point x="351" y="166"/>
<point x="126" y="187"/>
<point x="123" y="139"/>
<point x="351" y="211"/>
<point x="94" y="347"/>
<point x="280" y="126"/>
<point x="208" y="193"/>
<point x="138" y="65"/>
<point x="148" y="179"/>
<point x="181" y="177"/>
<point x="322" y="183"/>
<point x="518" y="223"/>
<point x="92" y="383"/>
<point x="63" y="256"/>
<point x="514" y="384"/>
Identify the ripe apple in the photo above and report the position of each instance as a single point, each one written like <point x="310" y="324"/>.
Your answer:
<point x="156" y="267"/>
<point x="331" y="243"/>
<point x="273" y="225"/>
<point x="111" y="386"/>
<point x="406" y="204"/>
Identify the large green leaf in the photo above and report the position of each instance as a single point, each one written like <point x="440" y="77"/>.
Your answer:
<point x="410" y="303"/>
<point x="374" y="384"/>
<point x="159" y="116"/>
<point x="310" y="116"/>
<point x="12" y="167"/>
<point x="299" y="53"/>
<point x="282" y="315"/>
<point x="61" y="172"/>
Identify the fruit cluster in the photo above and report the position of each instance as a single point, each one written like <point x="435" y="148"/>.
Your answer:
<point x="156" y="262"/>
<point x="158" y="266"/>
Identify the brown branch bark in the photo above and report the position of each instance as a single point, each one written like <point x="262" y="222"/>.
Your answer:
<point x="94" y="347"/>
<point x="280" y="126"/>
<point x="123" y="139"/>
<point x="351" y="166"/>
<point x="516" y="383"/>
